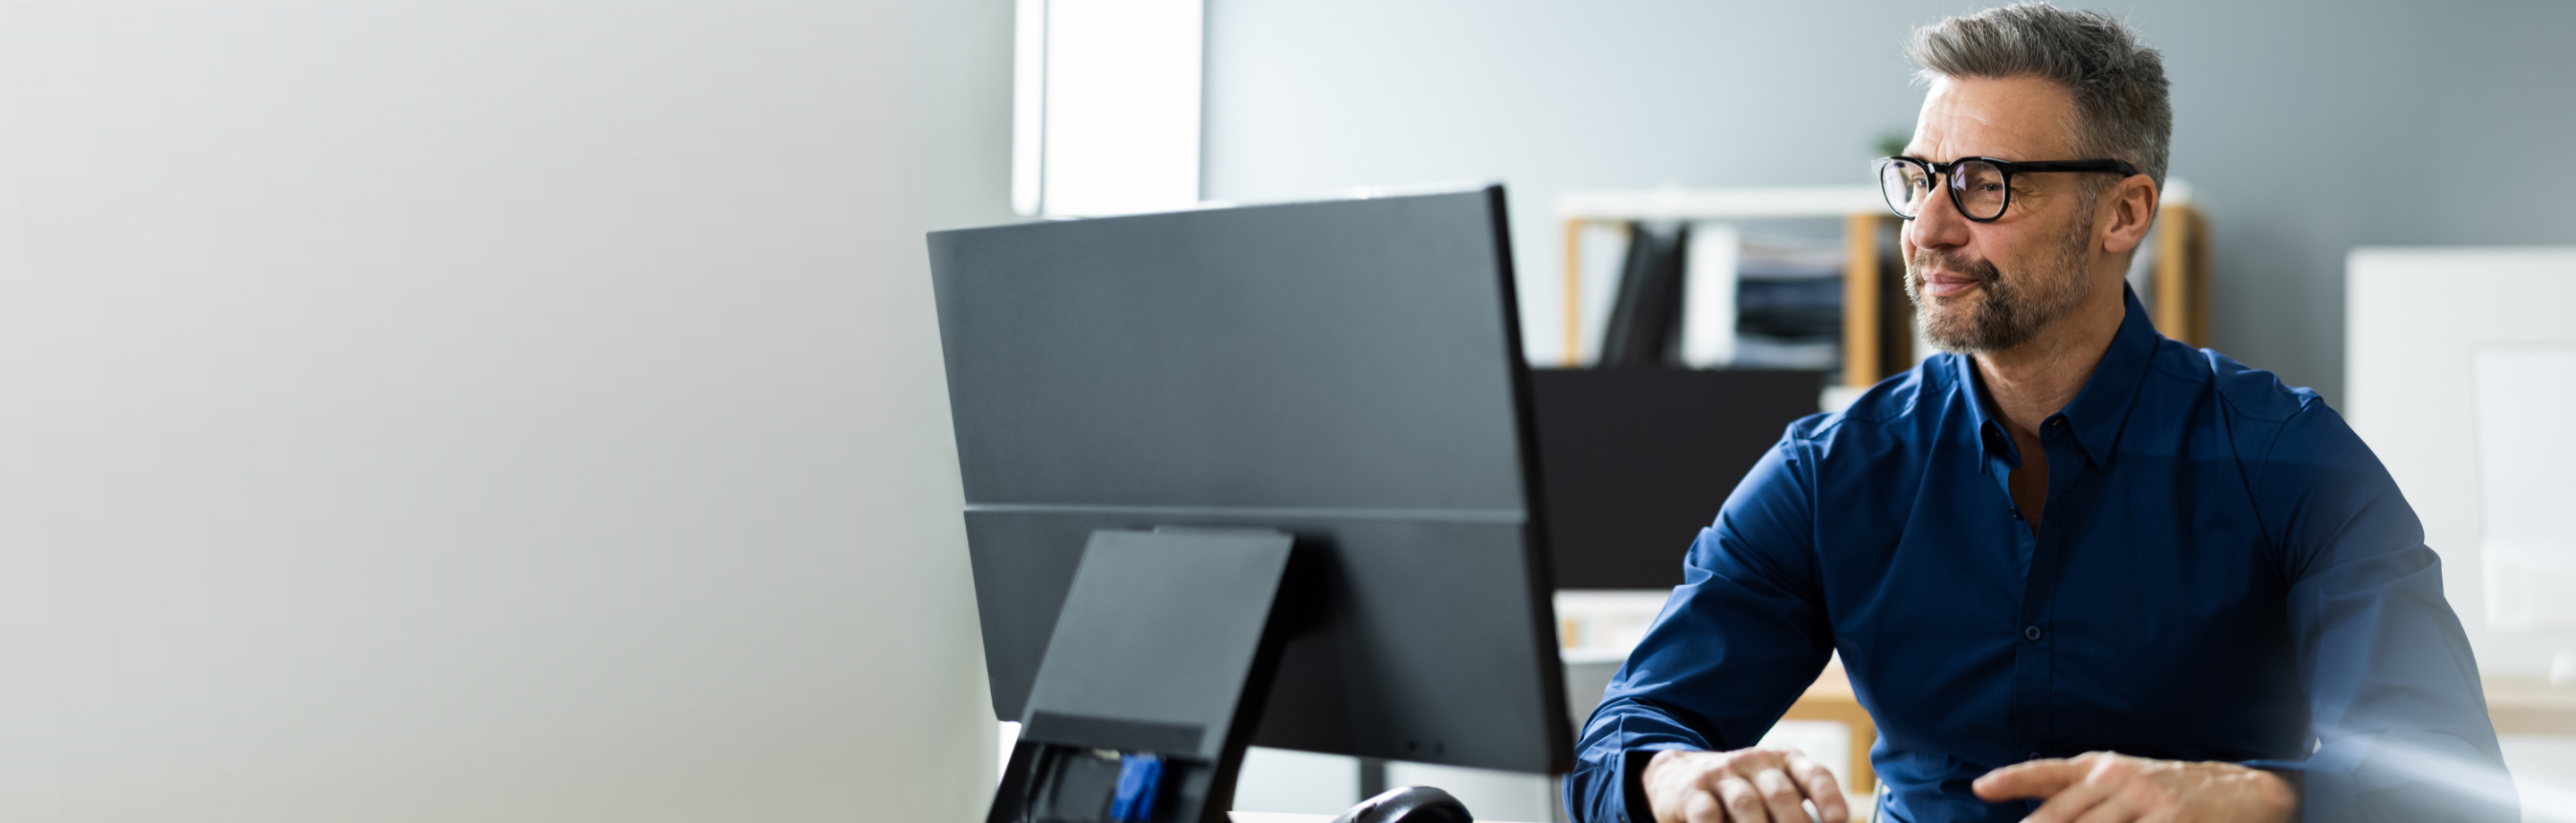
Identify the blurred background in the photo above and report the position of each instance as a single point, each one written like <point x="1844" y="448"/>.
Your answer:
<point x="2304" y="129"/>
<point x="533" y="410"/>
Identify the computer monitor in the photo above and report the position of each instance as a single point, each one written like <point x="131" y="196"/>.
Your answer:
<point x="1347" y="372"/>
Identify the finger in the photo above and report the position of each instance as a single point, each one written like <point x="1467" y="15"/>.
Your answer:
<point x="1678" y="783"/>
<point x="1780" y="796"/>
<point x="2070" y="804"/>
<point x="1822" y="788"/>
<point x="1743" y="804"/>
<point x="1703" y="807"/>
<point x="2113" y="808"/>
<point x="1690" y="788"/>
<point x="2037" y="778"/>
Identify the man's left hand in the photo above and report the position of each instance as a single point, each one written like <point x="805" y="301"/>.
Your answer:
<point x="2105" y="787"/>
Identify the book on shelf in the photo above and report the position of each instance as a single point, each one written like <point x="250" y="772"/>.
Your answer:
<point x="1708" y="294"/>
<point x="1645" y="322"/>
<point x="1789" y="297"/>
<point x="1708" y="321"/>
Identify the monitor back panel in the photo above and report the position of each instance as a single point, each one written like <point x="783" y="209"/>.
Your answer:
<point x="1347" y="371"/>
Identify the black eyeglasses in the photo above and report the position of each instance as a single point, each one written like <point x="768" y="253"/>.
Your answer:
<point x="1980" y="186"/>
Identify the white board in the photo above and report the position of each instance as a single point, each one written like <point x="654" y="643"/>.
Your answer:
<point x="2526" y="451"/>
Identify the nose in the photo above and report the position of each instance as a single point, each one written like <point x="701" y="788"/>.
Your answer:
<point x="1938" y="225"/>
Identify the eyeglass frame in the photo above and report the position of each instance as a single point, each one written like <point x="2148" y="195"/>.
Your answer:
<point x="2007" y="167"/>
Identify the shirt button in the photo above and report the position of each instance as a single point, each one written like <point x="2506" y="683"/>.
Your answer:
<point x="2030" y="633"/>
<point x="2034" y="756"/>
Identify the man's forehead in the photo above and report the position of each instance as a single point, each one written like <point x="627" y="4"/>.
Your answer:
<point x="2014" y="118"/>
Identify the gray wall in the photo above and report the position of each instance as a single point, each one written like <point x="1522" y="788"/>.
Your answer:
<point x="2306" y="127"/>
<point x="495" y="410"/>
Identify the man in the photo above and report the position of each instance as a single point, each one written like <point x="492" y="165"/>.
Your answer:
<point x="2076" y="571"/>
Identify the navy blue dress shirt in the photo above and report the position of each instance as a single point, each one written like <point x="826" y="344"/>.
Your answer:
<point x="2222" y="572"/>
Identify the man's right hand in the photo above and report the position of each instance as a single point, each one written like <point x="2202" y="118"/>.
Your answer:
<point x="1741" y="786"/>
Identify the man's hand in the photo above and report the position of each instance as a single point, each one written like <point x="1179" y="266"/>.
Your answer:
<point x="1741" y="786"/>
<point x="2104" y="787"/>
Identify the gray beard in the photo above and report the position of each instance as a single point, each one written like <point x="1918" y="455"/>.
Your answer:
<point x="2015" y="309"/>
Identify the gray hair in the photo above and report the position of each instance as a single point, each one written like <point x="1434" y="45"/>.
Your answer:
<point x="2118" y="82"/>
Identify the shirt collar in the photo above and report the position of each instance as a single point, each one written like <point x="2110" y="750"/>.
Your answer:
<point x="2099" y="409"/>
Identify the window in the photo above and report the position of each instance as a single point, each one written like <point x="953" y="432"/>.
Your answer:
<point x="1106" y="110"/>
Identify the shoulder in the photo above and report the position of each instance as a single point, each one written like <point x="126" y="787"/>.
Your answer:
<point x="2247" y="392"/>
<point x="2322" y="495"/>
<point x="2295" y="449"/>
<point x="2268" y="420"/>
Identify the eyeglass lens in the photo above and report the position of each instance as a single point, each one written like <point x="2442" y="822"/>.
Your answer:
<point x="1980" y="187"/>
<point x="1906" y="184"/>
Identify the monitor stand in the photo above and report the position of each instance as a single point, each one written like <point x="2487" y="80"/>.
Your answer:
<point x="1167" y="644"/>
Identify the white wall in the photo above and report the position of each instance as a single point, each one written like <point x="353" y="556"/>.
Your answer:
<point x="482" y="410"/>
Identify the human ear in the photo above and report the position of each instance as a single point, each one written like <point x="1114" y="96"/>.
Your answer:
<point x="2128" y="208"/>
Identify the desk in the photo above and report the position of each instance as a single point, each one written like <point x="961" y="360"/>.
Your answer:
<point x="1831" y="698"/>
<point x="2529" y="705"/>
<point x="2517" y="705"/>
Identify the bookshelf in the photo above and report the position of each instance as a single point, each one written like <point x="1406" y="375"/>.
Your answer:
<point x="2178" y="300"/>
<point x="1877" y="328"/>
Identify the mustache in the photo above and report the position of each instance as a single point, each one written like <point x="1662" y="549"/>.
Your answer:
<point x="1983" y="271"/>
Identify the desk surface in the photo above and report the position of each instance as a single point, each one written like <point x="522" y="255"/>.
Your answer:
<point x="2518" y="706"/>
<point x="2521" y="705"/>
